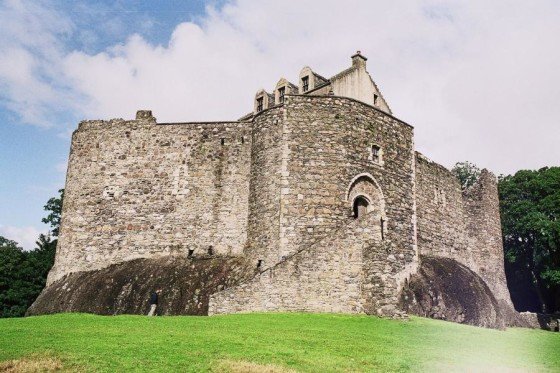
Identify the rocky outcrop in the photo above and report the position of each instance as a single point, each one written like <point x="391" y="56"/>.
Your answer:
<point x="124" y="288"/>
<point x="447" y="290"/>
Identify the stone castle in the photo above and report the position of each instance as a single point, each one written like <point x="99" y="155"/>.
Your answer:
<point x="316" y="201"/>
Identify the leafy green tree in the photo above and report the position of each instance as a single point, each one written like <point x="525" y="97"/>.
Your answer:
<point x="13" y="287"/>
<point x="467" y="173"/>
<point x="530" y="212"/>
<point x="23" y="274"/>
<point x="54" y="206"/>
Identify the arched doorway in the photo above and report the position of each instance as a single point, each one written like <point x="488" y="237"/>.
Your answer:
<point x="365" y="198"/>
<point x="360" y="207"/>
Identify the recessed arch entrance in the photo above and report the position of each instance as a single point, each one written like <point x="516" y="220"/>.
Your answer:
<point x="365" y="198"/>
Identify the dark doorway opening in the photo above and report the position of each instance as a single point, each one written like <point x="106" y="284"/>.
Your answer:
<point x="360" y="207"/>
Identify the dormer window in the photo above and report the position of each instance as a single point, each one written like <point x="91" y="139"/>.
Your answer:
<point x="376" y="154"/>
<point x="375" y="97"/>
<point x="260" y="104"/>
<point x="281" y="93"/>
<point x="305" y="83"/>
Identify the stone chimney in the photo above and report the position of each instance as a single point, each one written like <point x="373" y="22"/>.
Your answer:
<point x="144" y="115"/>
<point x="358" y="60"/>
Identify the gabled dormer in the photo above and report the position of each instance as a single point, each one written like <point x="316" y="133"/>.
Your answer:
<point x="309" y="80"/>
<point x="283" y="88"/>
<point x="263" y="100"/>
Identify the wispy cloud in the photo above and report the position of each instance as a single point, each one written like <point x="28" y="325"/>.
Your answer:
<point x="478" y="79"/>
<point x="24" y="236"/>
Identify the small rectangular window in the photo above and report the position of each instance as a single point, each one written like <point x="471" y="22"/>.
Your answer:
<point x="281" y="92"/>
<point x="375" y="153"/>
<point x="260" y="101"/>
<point x="305" y="83"/>
<point x="375" y="97"/>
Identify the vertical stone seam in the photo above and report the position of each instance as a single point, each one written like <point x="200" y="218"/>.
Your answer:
<point x="284" y="155"/>
<point x="414" y="216"/>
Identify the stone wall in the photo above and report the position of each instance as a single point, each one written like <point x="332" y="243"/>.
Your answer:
<point x="264" y="193"/>
<point x="137" y="189"/>
<point x="318" y="158"/>
<point x="441" y="217"/>
<point x="325" y="277"/>
<point x="327" y="145"/>
<point x="464" y="226"/>
<point x="482" y="208"/>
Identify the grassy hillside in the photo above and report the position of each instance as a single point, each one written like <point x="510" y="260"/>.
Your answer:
<point x="269" y="342"/>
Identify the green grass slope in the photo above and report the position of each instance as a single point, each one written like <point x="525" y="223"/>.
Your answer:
<point x="269" y="342"/>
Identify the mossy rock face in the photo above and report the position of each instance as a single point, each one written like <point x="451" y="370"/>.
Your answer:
<point x="125" y="288"/>
<point x="447" y="290"/>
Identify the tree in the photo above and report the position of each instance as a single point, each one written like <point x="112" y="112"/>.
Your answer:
<point x="467" y="173"/>
<point x="23" y="274"/>
<point x="13" y="286"/>
<point x="54" y="206"/>
<point x="530" y="212"/>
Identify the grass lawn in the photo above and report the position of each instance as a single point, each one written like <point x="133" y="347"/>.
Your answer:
<point x="269" y="342"/>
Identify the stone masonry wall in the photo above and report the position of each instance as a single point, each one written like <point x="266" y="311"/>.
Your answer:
<point x="442" y="221"/>
<point x="327" y="144"/>
<point x="325" y="150"/>
<point x="325" y="277"/>
<point x="485" y="232"/>
<point x="137" y="189"/>
<point x="464" y="226"/>
<point x="264" y="193"/>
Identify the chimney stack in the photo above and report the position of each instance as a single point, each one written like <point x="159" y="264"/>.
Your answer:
<point x="358" y="60"/>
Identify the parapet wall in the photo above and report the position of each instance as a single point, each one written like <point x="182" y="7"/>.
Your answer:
<point x="137" y="189"/>
<point x="461" y="225"/>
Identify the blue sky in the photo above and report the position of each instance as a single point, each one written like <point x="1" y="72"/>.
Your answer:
<point x="478" y="80"/>
<point x="33" y="157"/>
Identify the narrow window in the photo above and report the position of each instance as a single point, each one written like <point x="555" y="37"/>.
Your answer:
<point x="305" y="83"/>
<point x="382" y="229"/>
<point x="223" y="141"/>
<point x="243" y="139"/>
<point x="375" y="153"/>
<point x="260" y="102"/>
<point x="259" y="263"/>
<point x="375" y="97"/>
<point x="210" y="251"/>
<point x="281" y="92"/>
<point x="191" y="252"/>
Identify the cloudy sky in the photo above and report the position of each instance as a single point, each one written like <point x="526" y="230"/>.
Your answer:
<point x="479" y="80"/>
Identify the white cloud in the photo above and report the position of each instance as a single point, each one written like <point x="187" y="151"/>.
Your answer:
<point x="479" y="80"/>
<point x="31" y="49"/>
<point x="24" y="236"/>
